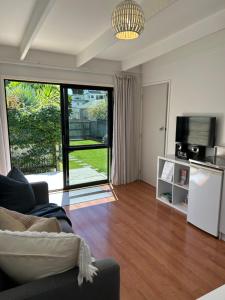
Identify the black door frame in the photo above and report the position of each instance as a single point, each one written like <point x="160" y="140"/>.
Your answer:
<point x="66" y="148"/>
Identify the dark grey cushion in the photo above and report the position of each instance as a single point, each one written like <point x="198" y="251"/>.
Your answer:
<point x="2" y="281"/>
<point x="5" y="282"/>
<point x="15" y="192"/>
<point x="40" y="190"/>
<point x="17" y="175"/>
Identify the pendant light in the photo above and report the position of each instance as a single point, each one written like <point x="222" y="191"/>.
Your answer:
<point x="128" y="20"/>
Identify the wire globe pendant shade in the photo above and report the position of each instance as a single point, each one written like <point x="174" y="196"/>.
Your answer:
<point x="128" y="20"/>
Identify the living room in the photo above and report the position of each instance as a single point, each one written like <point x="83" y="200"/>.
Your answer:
<point x="142" y="197"/>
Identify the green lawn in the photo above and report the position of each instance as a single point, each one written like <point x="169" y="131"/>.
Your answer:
<point x="95" y="158"/>
<point x="84" y="142"/>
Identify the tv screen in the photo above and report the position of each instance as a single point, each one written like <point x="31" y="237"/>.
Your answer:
<point x="196" y="130"/>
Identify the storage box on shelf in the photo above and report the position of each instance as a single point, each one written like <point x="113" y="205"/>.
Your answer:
<point x="173" y="190"/>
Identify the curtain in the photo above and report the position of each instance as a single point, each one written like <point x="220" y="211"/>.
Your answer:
<point x="126" y="134"/>
<point x="4" y="141"/>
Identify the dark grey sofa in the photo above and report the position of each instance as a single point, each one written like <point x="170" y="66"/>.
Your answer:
<point x="106" y="285"/>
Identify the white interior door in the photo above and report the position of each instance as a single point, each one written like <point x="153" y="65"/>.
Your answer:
<point x="154" y="114"/>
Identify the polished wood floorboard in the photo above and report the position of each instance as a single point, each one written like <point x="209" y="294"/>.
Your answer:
<point x="161" y="256"/>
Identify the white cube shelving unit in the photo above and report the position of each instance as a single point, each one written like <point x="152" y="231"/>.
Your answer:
<point x="178" y="191"/>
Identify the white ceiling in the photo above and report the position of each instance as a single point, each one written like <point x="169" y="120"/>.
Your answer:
<point x="73" y="24"/>
<point x="14" y="16"/>
<point x="82" y="28"/>
<point x="167" y="22"/>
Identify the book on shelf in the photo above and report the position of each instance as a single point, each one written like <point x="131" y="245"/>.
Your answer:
<point x="167" y="172"/>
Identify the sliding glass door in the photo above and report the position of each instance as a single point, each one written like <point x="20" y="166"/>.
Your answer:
<point x="86" y="119"/>
<point x="60" y="133"/>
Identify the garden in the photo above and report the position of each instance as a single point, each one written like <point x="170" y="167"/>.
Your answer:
<point x="96" y="158"/>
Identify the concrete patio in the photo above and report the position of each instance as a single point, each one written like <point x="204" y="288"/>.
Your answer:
<point x="77" y="176"/>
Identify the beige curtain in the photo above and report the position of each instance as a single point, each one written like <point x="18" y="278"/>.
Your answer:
<point x="4" y="141"/>
<point x="126" y="134"/>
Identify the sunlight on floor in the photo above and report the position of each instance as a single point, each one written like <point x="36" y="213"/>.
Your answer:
<point x="83" y="197"/>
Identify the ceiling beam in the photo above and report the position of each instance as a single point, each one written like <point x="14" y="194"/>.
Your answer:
<point x="39" y="13"/>
<point x="183" y="37"/>
<point x="106" y="40"/>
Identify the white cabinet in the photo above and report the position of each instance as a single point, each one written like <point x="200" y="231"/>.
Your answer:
<point x="222" y="213"/>
<point x="173" y="192"/>
<point x="205" y="198"/>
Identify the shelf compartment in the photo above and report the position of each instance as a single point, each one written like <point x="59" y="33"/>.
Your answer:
<point x="164" y="187"/>
<point x="177" y="175"/>
<point x="180" y="198"/>
<point x="161" y="163"/>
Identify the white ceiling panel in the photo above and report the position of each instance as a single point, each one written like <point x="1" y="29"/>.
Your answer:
<point x="14" y="15"/>
<point x="73" y="24"/>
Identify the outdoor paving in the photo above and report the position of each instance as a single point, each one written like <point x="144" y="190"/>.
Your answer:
<point x="76" y="196"/>
<point x="77" y="176"/>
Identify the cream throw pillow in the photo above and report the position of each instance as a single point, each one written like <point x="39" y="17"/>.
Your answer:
<point x="27" y="256"/>
<point x="14" y="221"/>
<point x="8" y="222"/>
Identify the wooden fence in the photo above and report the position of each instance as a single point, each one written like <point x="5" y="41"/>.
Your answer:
<point x="95" y="130"/>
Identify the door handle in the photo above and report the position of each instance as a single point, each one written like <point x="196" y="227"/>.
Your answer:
<point x="162" y="128"/>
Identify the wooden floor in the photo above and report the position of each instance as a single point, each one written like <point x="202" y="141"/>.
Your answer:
<point x="161" y="256"/>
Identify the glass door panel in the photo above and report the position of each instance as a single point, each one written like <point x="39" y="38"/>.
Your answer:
<point x="89" y="165"/>
<point x="86" y="134"/>
<point x="88" y="116"/>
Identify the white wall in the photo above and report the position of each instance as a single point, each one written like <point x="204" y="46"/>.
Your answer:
<point x="197" y="82"/>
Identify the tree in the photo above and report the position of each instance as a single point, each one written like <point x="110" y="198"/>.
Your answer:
<point x="34" y="125"/>
<point x="98" y="110"/>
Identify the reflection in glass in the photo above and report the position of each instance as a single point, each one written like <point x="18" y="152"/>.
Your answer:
<point x="88" y="115"/>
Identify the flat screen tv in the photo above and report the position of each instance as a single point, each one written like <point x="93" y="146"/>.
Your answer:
<point x="196" y="130"/>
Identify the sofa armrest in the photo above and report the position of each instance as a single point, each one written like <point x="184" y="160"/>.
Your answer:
<point x="41" y="192"/>
<point x="106" y="285"/>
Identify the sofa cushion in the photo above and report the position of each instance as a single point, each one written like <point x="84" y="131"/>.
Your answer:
<point x="27" y="256"/>
<point x="17" y="175"/>
<point x="14" y="221"/>
<point x="15" y="192"/>
<point x="8" y="222"/>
